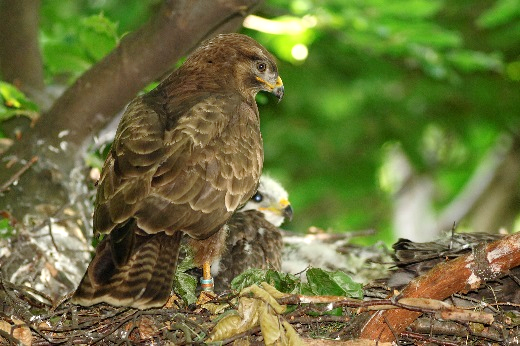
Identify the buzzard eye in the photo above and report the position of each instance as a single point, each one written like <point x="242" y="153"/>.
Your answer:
<point x="261" y="66"/>
<point x="257" y="197"/>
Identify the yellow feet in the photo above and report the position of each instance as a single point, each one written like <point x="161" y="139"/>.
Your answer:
<point x="206" y="282"/>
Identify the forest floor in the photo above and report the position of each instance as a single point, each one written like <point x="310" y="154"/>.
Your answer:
<point x="464" y="291"/>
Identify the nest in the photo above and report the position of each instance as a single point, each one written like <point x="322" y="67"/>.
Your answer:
<point x="467" y="295"/>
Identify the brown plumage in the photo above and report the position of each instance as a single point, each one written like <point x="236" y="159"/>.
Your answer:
<point x="252" y="236"/>
<point x="184" y="157"/>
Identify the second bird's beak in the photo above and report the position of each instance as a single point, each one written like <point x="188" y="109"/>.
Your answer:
<point x="288" y="212"/>
<point x="286" y="209"/>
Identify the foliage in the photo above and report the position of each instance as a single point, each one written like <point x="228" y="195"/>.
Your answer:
<point x="70" y="49"/>
<point x="6" y="229"/>
<point x="318" y="282"/>
<point x="437" y="78"/>
<point x="13" y="103"/>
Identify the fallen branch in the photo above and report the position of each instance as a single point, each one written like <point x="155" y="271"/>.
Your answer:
<point x="485" y="263"/>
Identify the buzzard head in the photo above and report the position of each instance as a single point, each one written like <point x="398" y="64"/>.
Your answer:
<point x="271" y="199"/>
<point x="242" y="62"/>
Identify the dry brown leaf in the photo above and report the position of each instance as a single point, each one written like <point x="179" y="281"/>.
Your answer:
<point x="19" y="331"/>
<point x="262" y="294"/>
<point x="232" y="324"/>
<point x="256" y="306"/>
<point x="147" y="328"/>
<point x="270" y="325"/>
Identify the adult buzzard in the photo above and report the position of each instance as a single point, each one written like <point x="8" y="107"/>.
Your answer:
<point x="185" y="156"/>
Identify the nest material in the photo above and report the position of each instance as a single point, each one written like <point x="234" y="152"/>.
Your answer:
<point x="28" y="318"/>
<point x="477" y="315"/>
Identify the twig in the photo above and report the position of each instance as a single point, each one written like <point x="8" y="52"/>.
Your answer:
<point x="241" y="335"/>
<point x="49" y="225"/>
<point x="9" y="338"/>
<point x="424" y="338"/>
<point x="429" y="326"/>
<point x="18" y="174"/>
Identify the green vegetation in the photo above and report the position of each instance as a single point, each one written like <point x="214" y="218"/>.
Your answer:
<point x="436" y="80"/>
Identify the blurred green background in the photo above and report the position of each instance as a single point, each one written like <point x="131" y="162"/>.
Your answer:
<point x="379" y="93"/>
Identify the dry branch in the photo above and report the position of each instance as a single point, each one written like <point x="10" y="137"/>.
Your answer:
<point x="463" y="274"/>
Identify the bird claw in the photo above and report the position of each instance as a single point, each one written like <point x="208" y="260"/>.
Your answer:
<point x="205" y="297"/>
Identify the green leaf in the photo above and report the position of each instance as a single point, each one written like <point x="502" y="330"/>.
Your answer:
<point x="335" y="283"/>
<point x="71" y="46"/>
<point x="352" y="289"/>
<point x="185" y="285"/>
<point x="187" y="262"/>
<point x="503" y="12"/>
<point x="304" y="288"/>
<point x="94" y="160"/>
<point x="14" y="102"/>
<point x="471" y="61"/>
<point x="98" y="36"/>
<point x="6" y="230"/>
<point x="283" y="282"/>
<point x="247" y="278"/>
<point x="65" y="58"/>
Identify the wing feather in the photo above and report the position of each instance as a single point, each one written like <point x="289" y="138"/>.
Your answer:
<point x="189" y="177"/>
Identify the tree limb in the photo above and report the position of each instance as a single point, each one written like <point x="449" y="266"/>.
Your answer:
<point x="141" y="57"/>
<point x="20" y="57"/>
<point x="462" y="274"/>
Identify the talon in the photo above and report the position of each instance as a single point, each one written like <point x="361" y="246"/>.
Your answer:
<point x="206" y="296"/>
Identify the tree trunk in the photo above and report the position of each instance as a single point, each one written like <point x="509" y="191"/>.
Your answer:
<point x="60" y="137"/>
<point x="20" y="57"/>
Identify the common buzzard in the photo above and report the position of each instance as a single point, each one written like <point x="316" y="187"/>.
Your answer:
<point x="185" y="156"/>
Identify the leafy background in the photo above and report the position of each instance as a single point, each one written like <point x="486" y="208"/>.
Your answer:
<point x="436" y="80"/>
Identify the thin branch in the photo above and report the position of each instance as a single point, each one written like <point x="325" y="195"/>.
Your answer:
<point x="18" y="174"/>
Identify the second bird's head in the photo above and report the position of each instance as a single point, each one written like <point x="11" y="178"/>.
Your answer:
<point x="272" y="200"/>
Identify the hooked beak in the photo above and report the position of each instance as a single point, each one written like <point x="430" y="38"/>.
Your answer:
<point x="276" y="89"/>
<point x="287" y="210"/>
<point x="282" y="208"/>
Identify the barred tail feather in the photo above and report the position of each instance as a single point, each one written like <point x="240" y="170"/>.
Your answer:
<point x="143" y="281"/>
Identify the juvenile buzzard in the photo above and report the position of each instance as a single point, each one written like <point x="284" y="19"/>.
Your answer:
<point x="254" y="239"/>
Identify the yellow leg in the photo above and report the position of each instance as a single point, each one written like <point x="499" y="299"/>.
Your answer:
<point x="206" y="282"/>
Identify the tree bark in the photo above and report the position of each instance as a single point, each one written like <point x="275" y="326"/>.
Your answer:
<point x="465" y="273"/>
<point x="20" y="57"/>
<point x="60" y="136"/>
